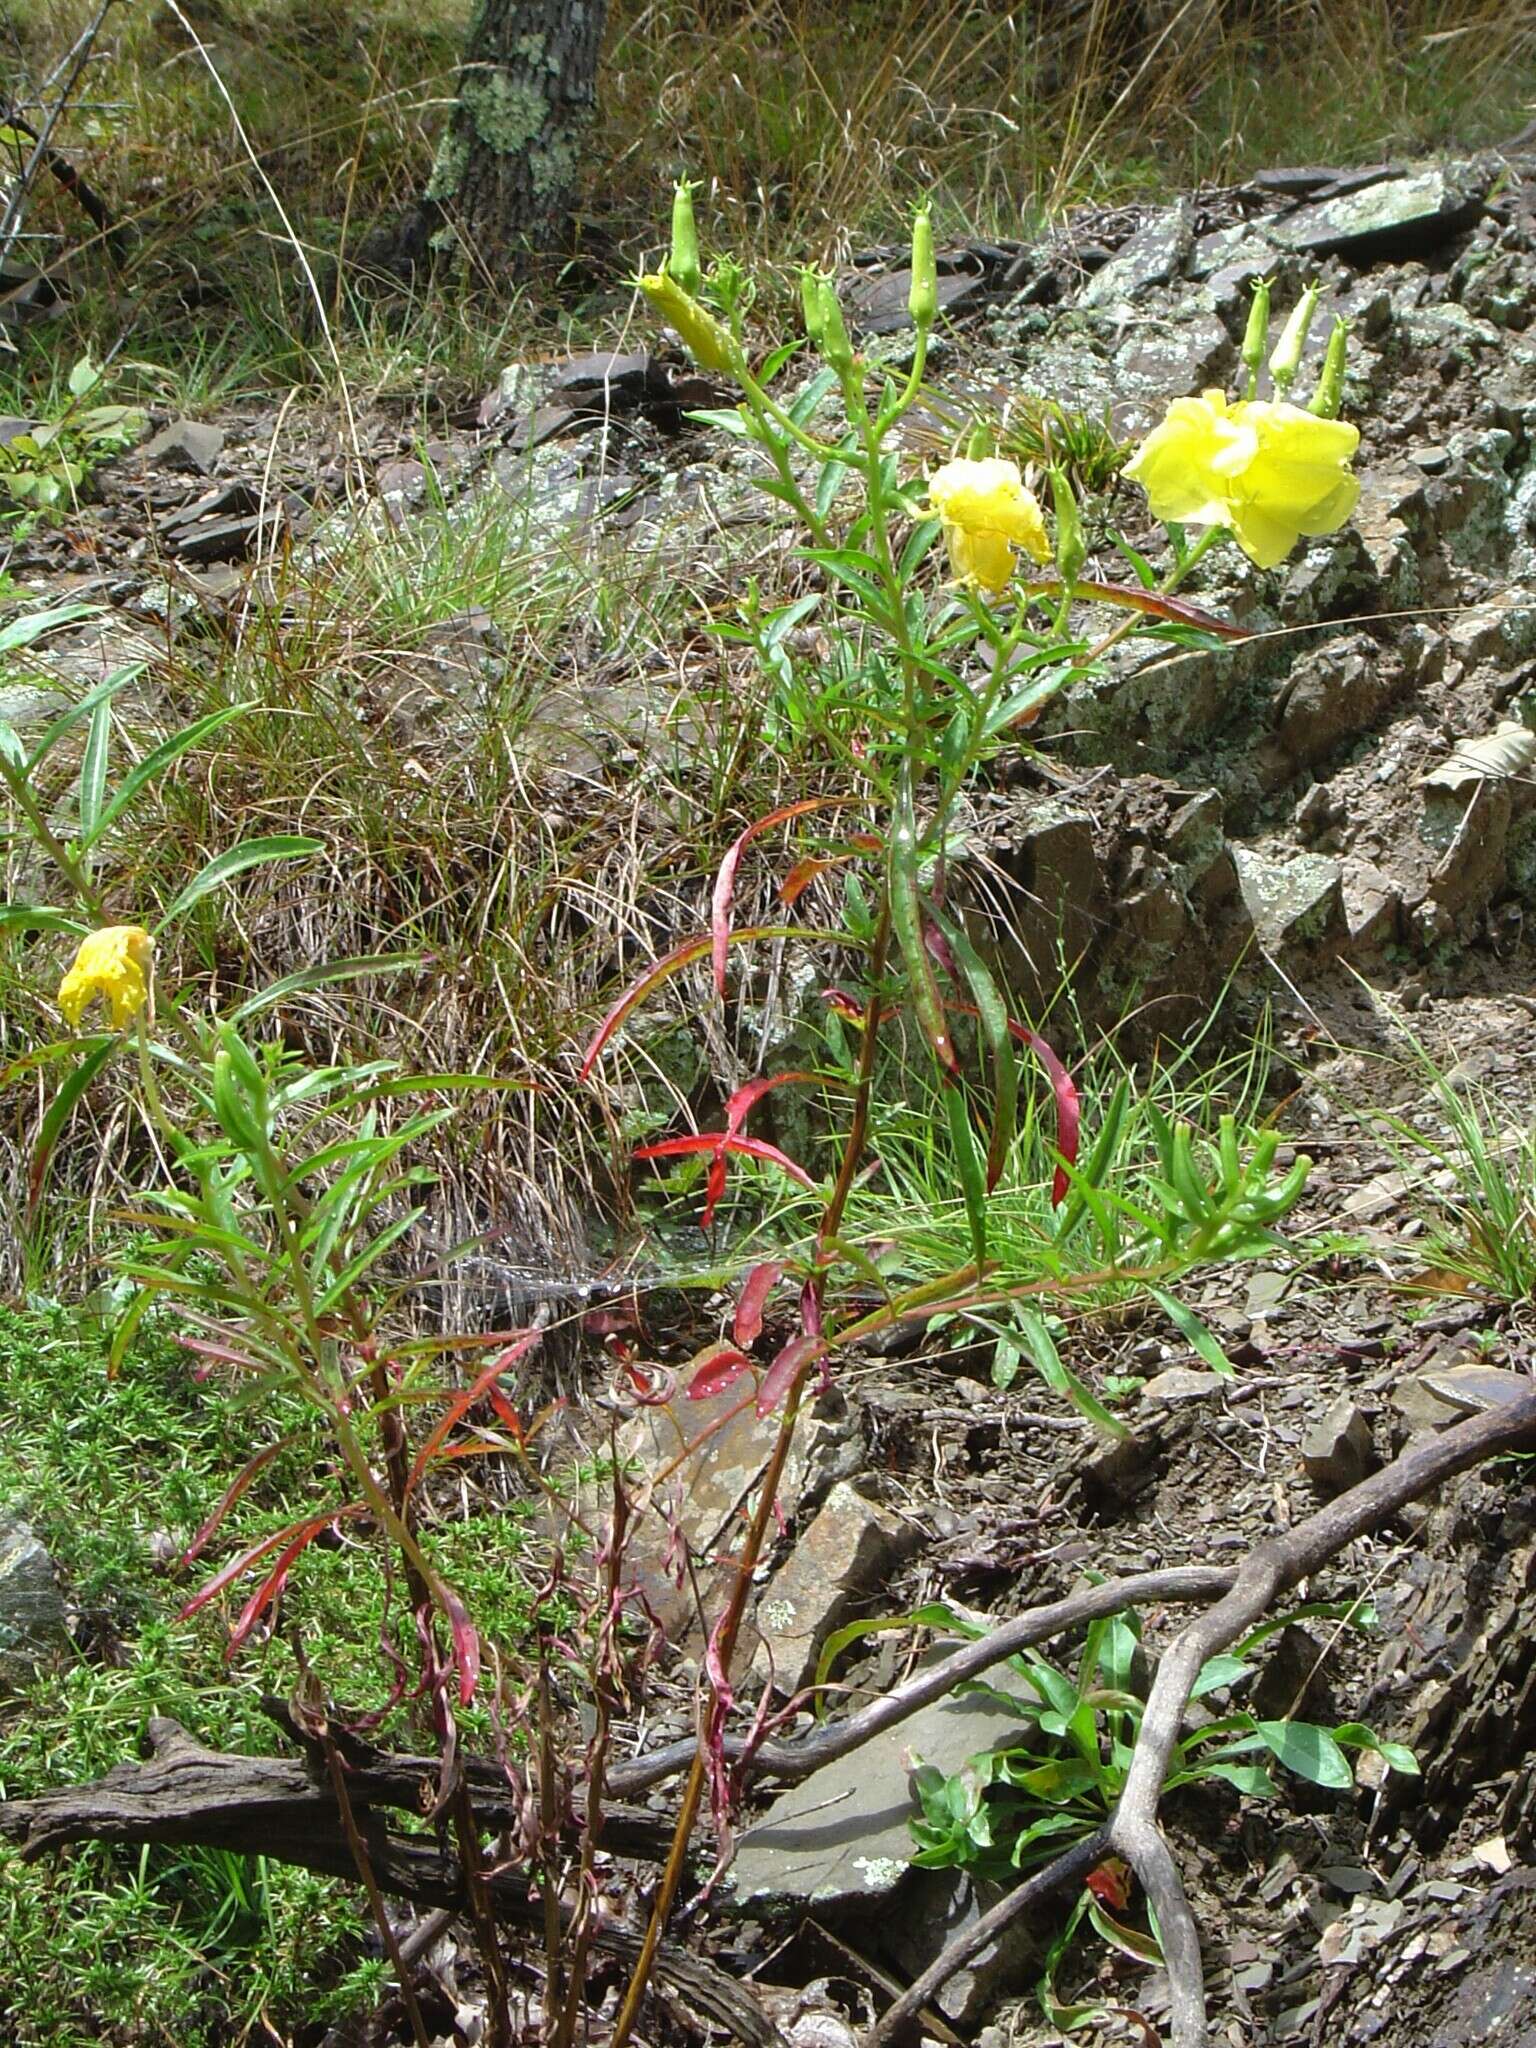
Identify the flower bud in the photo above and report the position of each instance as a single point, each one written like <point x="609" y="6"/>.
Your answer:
<point x="835" y="345"/>
<point x="1329" y="395"/>
<point x="707" y="340"/>
<point x="1286" y="360"/>
<point x="1071" y="548"/>
<point x="810" y="303"/>
<point x="923" y="299"/>
<point x="683" y="262"/>
<point x="1256" y="335"/>
<point x="980" y="441"/>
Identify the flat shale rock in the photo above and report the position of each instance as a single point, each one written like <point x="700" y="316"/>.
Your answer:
<point x="1393" y="218"/>
<point x="841" y="1839"/>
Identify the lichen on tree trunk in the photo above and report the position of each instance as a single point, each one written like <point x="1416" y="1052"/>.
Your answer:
<point x="506" y="170"/>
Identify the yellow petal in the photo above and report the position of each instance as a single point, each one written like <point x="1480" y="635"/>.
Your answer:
<point x="1181" y="463"/>
<point x="987" y="512"/>
<point x="113" y="963"/>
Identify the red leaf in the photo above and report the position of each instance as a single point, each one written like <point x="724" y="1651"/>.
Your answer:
<point x="1111" y="1883"/>
<point x="747" y="1097"/>
<point x="725" y="880"/>
<point x="270" y="1587"/>
<point x="658" y="972"/>
<point x="466" y="1643"/>
<point x="714" y="1188"/>
<point x="781" y="1375"/>
<point x="1069" y="1107"/>
<point x="759" y="1284"/>
<point x="720" y="1141"/>
<point x="246" y="1475"/>
<point x="211" y="1588"/>
<point x="719" y="1370"/>
<point x="461" y="1403"/>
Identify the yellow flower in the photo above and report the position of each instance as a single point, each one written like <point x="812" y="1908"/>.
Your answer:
<point x="708" y="340"/>
<point x="113" y="963"/>
<point x="987" y="513"/>
<point x="1296" y="481"/>
<point x="1266" y="470"/>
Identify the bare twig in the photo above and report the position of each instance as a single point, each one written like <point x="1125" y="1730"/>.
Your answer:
<point x="1071" y="1865"/>
<point x="73" y="64"/>
<point x="794" y="1760"/>
<point x="1273" y="1568"/>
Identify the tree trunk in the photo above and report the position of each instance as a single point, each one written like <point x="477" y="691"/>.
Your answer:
<point x="505" y="177"/>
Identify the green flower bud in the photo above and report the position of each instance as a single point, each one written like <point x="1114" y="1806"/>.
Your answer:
<point x="683" y="262"/>
<point x="1071" y="548"/>
<point x="1286" y="360"/>
<point x="811" y="282"/>
<point x="980" y="441"/>
<point x="1256" y="335"/>
<point x="835" y="345"/>
<point x="707" y="340"/>
<point x="1329" y="395"/>
<point x="923" y="299"/>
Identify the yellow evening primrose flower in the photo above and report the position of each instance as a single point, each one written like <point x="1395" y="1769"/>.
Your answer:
<point x="1268" y="471"/>
<point x="986" y="514"/>
<point x="1297" y="480"/>
<point x="1183" y="465"/>
<point x="113" y="963"/>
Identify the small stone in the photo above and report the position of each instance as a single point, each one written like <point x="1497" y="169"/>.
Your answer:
<point x="847" y="1554"/>
<point x="1182" y="1383"/>
<point x="1155" y="255"/>
<point x="187" y="444"/>
<point x="1293" y="902"/>
<point x="1337" y="1452"/>
<point x="34" y="1624"/>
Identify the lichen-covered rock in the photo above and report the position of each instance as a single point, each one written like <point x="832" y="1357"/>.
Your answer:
<point x="34" y="1622"/>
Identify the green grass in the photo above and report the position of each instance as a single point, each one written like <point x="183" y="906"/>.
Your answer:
<point x="179" y="1946"/>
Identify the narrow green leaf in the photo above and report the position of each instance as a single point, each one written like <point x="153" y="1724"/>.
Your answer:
<point x="326" y="976"/>
<point x="1046" y="1359"/>
<point x="1190" y="1327"/>
<point x="93" y="767"/>
<point x="234" y="861"/>
<point x="157" y="761"/>
<point x="973" y="1177"/>
<point x="58" y="1113"/>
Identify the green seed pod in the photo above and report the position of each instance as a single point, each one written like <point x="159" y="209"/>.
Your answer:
<point x="683" y="262"/>
<point x="1256" y="335"/>
<point x="1329" y="395"/>
<point x="811" y="282"/>
<point x="1286" y="360"/>
<point x="835" y="345"/>
<point x="923" y="299"/>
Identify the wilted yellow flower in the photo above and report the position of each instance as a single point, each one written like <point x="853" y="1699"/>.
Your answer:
<point x="1266" y="470"/>
<point x="113" y="963"/>
<point x="708" y="340"/>
<point x="987" y="513"/>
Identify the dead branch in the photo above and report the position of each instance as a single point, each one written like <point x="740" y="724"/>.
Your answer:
<point x="794" y="1760"/>
<point x="279" y="1807"/>
<point x="1273" y="1568"/>
<point x="1070" y="1866"/>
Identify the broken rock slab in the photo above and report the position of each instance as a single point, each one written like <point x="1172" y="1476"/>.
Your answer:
<point x="1155" y="255"/>
<point x="846" y="1554"/>
<point x="1392" y="219"/>
<point x="187" y="445"/>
